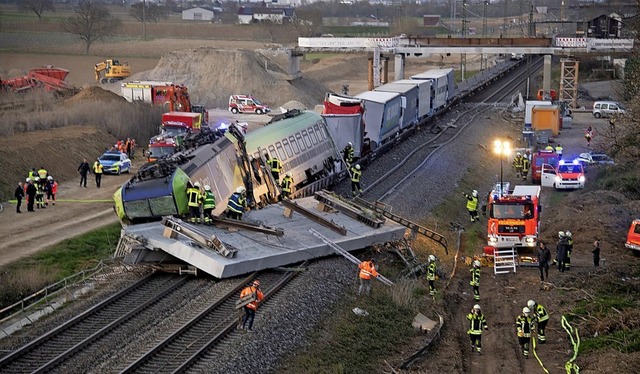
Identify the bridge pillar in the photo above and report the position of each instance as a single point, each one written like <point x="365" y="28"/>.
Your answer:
<point x="546" y="75"/>
<point x="398" y="66"/>
<point x="294" y="65"/>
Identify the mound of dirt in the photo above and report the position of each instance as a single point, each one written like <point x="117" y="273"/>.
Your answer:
<point x="94" y="93"/>
<point x="293" y="104"/>
<point x="214" y="74"/>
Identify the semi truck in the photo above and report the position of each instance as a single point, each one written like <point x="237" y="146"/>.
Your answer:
<point x="514" y="218"/>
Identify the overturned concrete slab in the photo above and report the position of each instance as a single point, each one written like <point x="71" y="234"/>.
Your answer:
<point x="257" y="251"/>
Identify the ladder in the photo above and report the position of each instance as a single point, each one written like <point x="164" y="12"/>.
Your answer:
<point x="404" y="222"/>
<point x="346" y="254"/>
<point x="504" y="260"/>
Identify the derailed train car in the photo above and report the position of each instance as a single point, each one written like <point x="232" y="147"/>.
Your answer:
<point x="299" y="139"/>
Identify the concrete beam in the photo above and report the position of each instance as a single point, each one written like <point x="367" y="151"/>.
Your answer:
<point x="425" y="51"/>
<point x="546" y="74"/>
<point x="398" y="67"/>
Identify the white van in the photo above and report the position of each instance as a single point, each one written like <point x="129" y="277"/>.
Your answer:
<point x="607" y="108"/>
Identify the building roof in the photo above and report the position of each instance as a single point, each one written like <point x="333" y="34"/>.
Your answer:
<point x="431" y="20"/>
<point x="249" y="11"/>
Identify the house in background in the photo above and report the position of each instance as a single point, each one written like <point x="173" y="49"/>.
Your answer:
<point x="202" y="14"/>
<point x="247" y="15"/>
<point x="431" y="24"/>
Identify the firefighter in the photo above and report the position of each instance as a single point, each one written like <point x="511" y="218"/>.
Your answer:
<point x="541" y="317"/>
<point x="39" y="194"/>
<point x="42" y="173"/>
<point x="548" y="148"/>
<point x="558" y="150"/>
<point x="524" y="324"/>
<point x="237" y="204"/>
<point x="567" y="262"/>
<point x="33" y="174"/>
<point x="517" y="164"/>
<point x="348" y="153"/>
<point x="526" y="164"/>
<point x="561" y="251"/>
<point x="251" y="308"/>
<point x="472" y="205"/>
<point x="356" y="174"/>
<point x="194" y="199"/>
<point x="477" y="323"/>
<point x="286" y="185"/>
<point x="366" y="270"/>
<point x="431" y="275"/>
<point x="275" y="166"/>
<point x="475" y="280"/>
<point x="528" y="156"/>
<point x="612" y="123"/>
<point x="97" y="171"/>
<point x="208" y="205"/>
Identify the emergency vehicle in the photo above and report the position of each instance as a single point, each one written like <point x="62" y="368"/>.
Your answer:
<point x="246" y="104"/>
<point x="567" y="175"/>
<point x="633" y="237"/>
<point x="540" y="158"/>
<point x="161" y="146"/>
<point x="514" y="218"/>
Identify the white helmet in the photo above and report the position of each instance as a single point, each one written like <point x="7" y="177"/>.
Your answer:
<point x="357" y="166"/>
<point x="432" y="258"/>
<point x="197" y="184"/>
<point x="518" y="154"/>
<point x="526" y="310"/>
<point x="28" y="180"/>
<point x="207" y="187"/>
<point x="37" y="179"/>
<point x="476" y="263"/>
<point x="476" y="307"/>
<point x="531" y="304"/>
<point x="240" y="189"/>
<point x="350" y="143"/>
<point x="568" y="234"/>
<point x="560" y="234"/>
<point x="49" y="178"/>
<point x="474" y="193"/>
<point x="288" y="175"/>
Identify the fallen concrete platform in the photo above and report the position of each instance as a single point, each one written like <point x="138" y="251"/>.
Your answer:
<point x="257" y="251"/>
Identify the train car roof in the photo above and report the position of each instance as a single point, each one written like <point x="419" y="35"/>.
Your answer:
<point x="397" y="87"/>
<point x="281" y="129"/>
<point x="433" y="74"/>
<point x="378" y="96"/>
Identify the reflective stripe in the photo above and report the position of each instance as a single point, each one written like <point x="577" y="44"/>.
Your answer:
<point x="286" y="184"/>
<point x="473" y="203"/>
<point x="355" y="175"/>
<point x="209" y="200"/>
<point x="194" y="196"/>
<point x="236" y="203"/>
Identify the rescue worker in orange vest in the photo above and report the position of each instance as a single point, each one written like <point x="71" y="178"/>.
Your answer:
<point x="286" y="185"/>
<point x="97" y="171"/>
<point x="477" y="323"/>
<point x="250" y="309"/>
<point x="194" y="199"/>
<point x="275" y="166"/>
<point x="366" y="270"/>
<point x="526" y="164"/>
<point x="356" y="174"/>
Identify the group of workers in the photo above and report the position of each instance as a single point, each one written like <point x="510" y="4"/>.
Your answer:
<point x="205" y="200"/>
<point x="96" y="168"/>
<point x="39" y="189"/>
<point x="128" y="147"/>
<point x="286" y="185"/>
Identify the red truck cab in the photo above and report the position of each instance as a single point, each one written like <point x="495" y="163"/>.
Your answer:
<point x="633" y="237"/>
<point x="540" y="158"/>
<point x="514" y="218"/>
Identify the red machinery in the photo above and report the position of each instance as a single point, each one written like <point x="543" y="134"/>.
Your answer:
<point x="48" y="77"/>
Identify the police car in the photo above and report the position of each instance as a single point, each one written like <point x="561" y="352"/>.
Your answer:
<point x="115" y="162"/>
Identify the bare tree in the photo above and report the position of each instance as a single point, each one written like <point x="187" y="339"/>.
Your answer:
<point x="270" y="27"/>
<point x="153" y="12"/>
<point x="91" y="23"/>
<point x="308" y="21"/>
<point x="37" y="6"/>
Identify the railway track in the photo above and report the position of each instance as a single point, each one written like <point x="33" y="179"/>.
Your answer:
<point x="53" y="348"/>
<point x="200" y="337"/>
<point x="390" y="183"/>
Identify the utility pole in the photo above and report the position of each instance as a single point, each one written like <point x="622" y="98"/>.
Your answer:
<point x="483" y="58"/>
<point x="531" y="35"/>
<point x="521" y="16"/>
<point x="453" y="17"/>
<point x="505" y="21"/>
<point x="463" y="56"/>
<point x="144" y="26"/>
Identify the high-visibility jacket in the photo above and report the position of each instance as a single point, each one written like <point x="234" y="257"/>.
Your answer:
<point x="32" y="174"/>
<point x="42" y="173"/>
<point x="475" y="276"/>
<point x="525" y="164"/>
<point x="367" y="270"/>
<point x="349" y="153"/>
<point x="286" y="184"/>
<point x="97" y="168"/>
<point x="548" y="148"/>
<point x="541" y="313"/>
<point x="355" y="174"/>
<point x="472" y="202"/>
<point x="431" y="271"/>
<point x="194" y="196"/>
<point x="275" y="164"/>
<point x="477" y="323"/>
<point x="559" y="150"/>
<point x="39" y="189"/>
<point x="517" y="162"/>
<point x="237" y="203"/>
<point x="523" y="325"/>
<point x="258" y="296"/>
<point x="209" y="200"/>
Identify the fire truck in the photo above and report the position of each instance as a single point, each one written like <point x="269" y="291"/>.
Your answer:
<point x="162" y="146"/>
<point x="514" y="218"/>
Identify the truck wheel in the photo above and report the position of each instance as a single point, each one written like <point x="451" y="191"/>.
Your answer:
<point x="597" y="115"/>
<point x="103" y="80"/>
<point x="111" y="80"/>
<point x="258" y="111"/>
<point x="234" y="110"/>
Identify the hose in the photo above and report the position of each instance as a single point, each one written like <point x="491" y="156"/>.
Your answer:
<point x="571" y="366"/>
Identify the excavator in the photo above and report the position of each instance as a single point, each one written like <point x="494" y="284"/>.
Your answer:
<point x="114" y="71"/>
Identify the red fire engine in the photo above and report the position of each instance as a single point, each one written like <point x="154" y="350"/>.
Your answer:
<point x="514" y="218"/>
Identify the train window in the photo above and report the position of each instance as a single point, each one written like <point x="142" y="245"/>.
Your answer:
<point x="307" y="140"/>
<point x="318" y="132"/>
<point x="300" y="142"/>
<point x="294" y="144"/>
<point x="287" y="147"/>
<point x="313" y="137"/>
<point x="272" y="152"/>
<point x="323" y="131"/>
<point x="256" y="156"/>
<point x="281" y="153"/>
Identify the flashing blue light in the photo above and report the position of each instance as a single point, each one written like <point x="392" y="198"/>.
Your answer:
<point x="575" y="162"/>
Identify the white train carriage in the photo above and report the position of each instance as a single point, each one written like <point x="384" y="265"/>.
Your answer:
<point x="382" y="112"/>
<point x="424" y="95"/>
<point x="442" y="86"/>
<point x="409" y="93"/>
